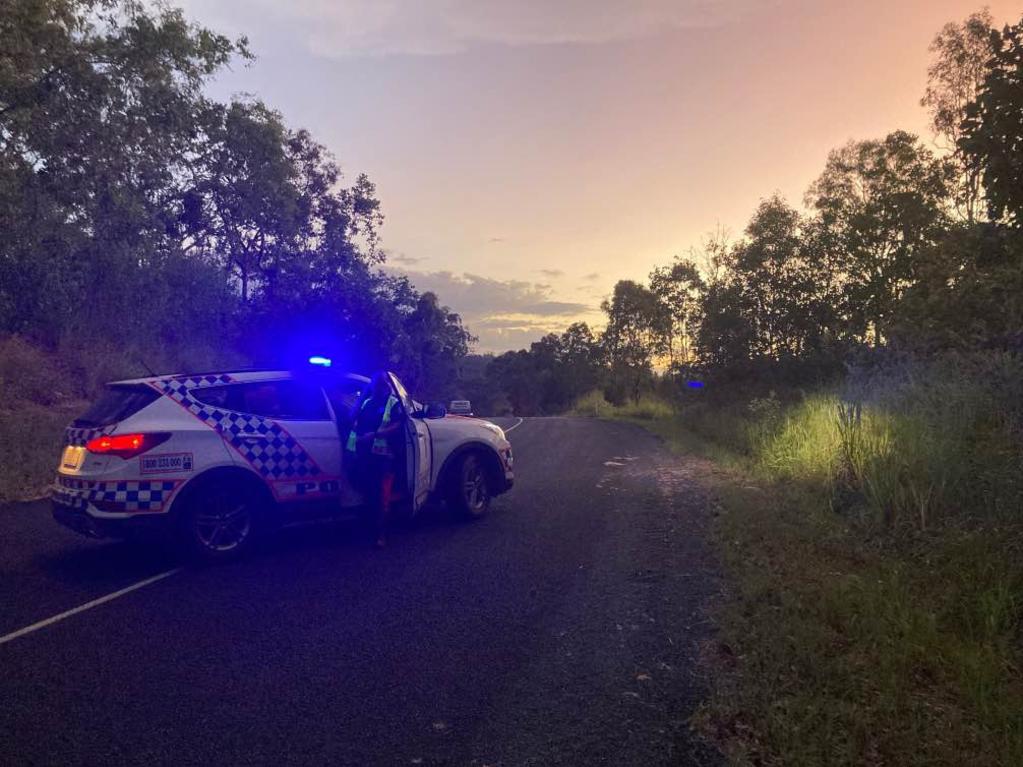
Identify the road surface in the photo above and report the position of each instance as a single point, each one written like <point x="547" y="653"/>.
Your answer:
<point x="562" y="629"/>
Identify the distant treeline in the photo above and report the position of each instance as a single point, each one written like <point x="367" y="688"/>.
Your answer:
<point x="152" y="225"/>
<point x="899" y="250"/>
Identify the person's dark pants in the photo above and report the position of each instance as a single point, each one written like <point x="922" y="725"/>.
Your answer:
<point x="377" y="475"/>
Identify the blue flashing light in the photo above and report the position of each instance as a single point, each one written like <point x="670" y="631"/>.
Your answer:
<point x="695" y="384"/>
<point x="323" y="362"/>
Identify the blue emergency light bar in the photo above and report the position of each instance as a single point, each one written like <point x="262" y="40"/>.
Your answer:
<point x="324" y="362"/>
<point x="695" y="384"/>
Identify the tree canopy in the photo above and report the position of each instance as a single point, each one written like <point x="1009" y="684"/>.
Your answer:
<point x="992" y="132"/>
<point x="126" y="191"/>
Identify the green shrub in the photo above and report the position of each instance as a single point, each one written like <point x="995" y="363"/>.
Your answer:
<point x="649" y="408"/>
<point x="799" y="443"/>
<point x="912" y="445"/>
<point x="593" y="404"/>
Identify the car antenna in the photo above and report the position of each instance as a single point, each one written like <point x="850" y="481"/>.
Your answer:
<point x="148" y="369"/>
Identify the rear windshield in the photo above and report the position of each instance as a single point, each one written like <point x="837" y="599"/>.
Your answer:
<point x="116" y="404"/>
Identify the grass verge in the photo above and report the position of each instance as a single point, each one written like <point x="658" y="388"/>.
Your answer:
<point x="30" y="443"/>
<point x="846" y="638"/>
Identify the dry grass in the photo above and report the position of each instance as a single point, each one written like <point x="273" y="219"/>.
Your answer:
<point x="30" y="442"/>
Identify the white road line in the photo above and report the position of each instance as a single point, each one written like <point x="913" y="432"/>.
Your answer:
<point x="517" y="425"/>
<point x="88" y="605"/>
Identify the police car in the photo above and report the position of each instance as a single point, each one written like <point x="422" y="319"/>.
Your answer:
<point x="217" y="458"/>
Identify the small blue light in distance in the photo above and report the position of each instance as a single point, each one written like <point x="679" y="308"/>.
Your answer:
<point x="695" y="384"/>
<point x="321" y="361"/>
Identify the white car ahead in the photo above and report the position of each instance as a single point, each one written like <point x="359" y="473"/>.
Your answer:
<point x="460" y="407"/>
<point x="217" y="457"/>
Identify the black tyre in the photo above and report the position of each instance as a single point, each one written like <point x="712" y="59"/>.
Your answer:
<point x="469" y="491"/>
<point x="220" y="521"/>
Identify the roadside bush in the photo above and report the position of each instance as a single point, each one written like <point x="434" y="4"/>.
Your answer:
<point x="728" y="425"/>
<point x="799" y="443"/>
<point x="648" y="408"/>
<point x="909" y="444"/>
<point x="592" y="404"/>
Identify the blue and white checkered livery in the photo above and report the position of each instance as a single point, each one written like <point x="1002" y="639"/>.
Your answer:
<point x="119" y="496"/>
<point x="267" y="446"/>
<point x="79" y="437"/>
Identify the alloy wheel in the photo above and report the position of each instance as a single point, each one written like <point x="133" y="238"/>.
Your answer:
<point x="223" y="524"/>
<point x="474" y="487"/>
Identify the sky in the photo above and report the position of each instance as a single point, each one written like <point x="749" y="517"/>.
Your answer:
<point x="528" y="154"/>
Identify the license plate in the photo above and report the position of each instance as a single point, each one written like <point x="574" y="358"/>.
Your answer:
<point x="73" y="457"/>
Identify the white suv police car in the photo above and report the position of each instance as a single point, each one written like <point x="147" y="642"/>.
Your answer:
<point x="216" y="458"/>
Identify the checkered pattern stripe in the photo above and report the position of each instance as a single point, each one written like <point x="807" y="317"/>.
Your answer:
<point x="72" y="498"/>
<point x="271" y="451"/>
<point x="191" y="382"/>
<point x="78" y="437"/>
<point x="127" y="495"/>
<point x="134" y="496"/>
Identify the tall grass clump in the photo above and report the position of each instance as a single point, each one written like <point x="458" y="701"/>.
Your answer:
<point x="910" y="444"/>
<point x="649" y="408"/>
<point x="801" y="443"/>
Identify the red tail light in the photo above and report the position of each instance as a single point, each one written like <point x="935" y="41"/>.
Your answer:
<point x="125" y="445"/>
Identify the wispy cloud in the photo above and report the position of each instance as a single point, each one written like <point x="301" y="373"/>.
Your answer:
<point x="505" y="314"/>
<point x="473" y="294"/>
<point x="552" y="273"/>
<point x="403" y="259"/>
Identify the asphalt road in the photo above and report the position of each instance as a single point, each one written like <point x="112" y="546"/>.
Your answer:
<point x="560" y="630"/>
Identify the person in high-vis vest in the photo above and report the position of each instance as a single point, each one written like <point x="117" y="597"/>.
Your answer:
<point x="372" y="448"/>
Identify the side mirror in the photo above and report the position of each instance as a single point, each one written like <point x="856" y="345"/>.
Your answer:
<point x="436" y="410"/>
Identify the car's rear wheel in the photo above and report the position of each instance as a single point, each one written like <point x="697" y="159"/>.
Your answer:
<point x="469" y="492"/>
<point x="221" y="521"/>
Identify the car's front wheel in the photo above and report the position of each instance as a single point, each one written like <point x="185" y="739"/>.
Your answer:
<point x="469" y="492"/>
<point x="221" y="521"/>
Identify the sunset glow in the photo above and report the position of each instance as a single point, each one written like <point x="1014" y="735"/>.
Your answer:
<point x="531" y="154"/>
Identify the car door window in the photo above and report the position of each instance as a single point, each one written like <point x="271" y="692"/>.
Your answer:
<point x="344" y="395"/>
<point x="218" y="396"/>
<point x="288" y="400"/>
<point x="280" y="400"/>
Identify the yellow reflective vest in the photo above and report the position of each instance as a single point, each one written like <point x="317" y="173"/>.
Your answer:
<point x="380" y="444"/>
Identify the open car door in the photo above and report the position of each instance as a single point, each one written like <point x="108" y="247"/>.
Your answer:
<point x="417" y="448"/>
